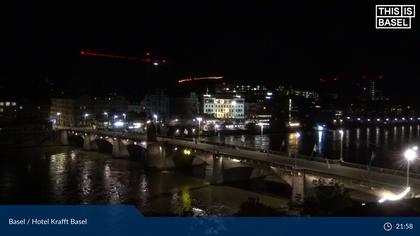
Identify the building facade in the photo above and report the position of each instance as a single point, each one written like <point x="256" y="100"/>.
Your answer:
<point x="224" y="108"/>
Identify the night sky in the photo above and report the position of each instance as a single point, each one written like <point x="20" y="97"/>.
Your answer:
<point x="274" y="42"/>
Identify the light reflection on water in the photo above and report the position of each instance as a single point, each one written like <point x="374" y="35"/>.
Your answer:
<point x="66" y="175"/>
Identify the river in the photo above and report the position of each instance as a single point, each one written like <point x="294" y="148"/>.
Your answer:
<point x="69" y="175"/>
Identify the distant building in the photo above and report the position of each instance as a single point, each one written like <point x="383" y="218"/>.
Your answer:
<point x="185" y="106"/>
<point x="134" y="108"/>
<point x="8" y="108"/>
<point x="372" y="90"/>
<point x="84" y="111"/>
<point x="62" y="111"/>
<point x="7" y="105"/>
<point x="157" y="103"/>
<point x="224" y="107"/>
<point x="289" y="91"/>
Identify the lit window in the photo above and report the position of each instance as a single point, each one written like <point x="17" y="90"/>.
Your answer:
<point x="7" y="104"/>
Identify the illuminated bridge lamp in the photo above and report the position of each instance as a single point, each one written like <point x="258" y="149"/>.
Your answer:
<point x="199" y="119"/>
<point x="410" y="154"/>
<point x="187" y="152"/>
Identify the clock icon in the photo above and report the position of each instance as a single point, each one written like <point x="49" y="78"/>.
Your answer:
<point x="387" y="226"/>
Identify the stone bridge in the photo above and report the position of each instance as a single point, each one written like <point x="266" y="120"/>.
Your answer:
<point x="226" y="164"/>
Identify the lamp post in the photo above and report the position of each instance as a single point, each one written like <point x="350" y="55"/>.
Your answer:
<point x="297" y="146"/>
<point x="86" y="115"/>
<point x="341" y="144"/>
<point x="410" y="154"/>
<point x="156" y="120"/>
<point x="199" y="119"/>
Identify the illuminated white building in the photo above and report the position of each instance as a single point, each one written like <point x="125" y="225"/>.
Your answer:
<point x="224" y="108"/>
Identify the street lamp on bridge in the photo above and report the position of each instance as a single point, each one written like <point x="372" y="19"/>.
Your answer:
<point x="199" y="119"/>
<point x="410" y="154"/>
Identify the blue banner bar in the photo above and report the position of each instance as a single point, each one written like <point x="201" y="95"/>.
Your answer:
<point x="120" y="220"/>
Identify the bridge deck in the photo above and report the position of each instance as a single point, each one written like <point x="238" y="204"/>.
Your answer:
<point x="334" y="169"/>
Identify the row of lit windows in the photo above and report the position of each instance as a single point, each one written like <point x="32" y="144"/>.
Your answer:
<point x="223" y="115"/>
<point x="7" y="104"/>
<point x="225" y="106"/>
<point x="223" y="110"/>
<point x="222" y="101"/>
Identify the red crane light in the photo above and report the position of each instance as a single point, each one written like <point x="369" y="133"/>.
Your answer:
<point x="147" y="59"/>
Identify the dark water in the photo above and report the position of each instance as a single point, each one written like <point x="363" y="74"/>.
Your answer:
<point x="66" y="175"/>
<point x="386" y="143"/>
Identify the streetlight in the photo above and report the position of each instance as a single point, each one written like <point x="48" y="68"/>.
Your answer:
<point x="410" y="154"/>
<point x="297" y="146"/>
<point x="341" y="144"/>
<point x="86" y="115"/>
<point x="156" y="118"/>
<point x="57" y="120"/>
<point x="199" y="119"/>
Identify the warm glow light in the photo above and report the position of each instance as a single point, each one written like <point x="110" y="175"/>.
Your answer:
<point x="394" y="197"/>
<point x="294" y="124"/>
<point x="187" y="152"/>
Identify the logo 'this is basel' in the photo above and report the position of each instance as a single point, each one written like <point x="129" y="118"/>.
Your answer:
<point x="394" y="16"/>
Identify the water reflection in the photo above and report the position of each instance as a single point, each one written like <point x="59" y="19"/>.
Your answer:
<point x="56" y="173"/>
<point x="293" y="143"/>
<point x="65" y="175"/>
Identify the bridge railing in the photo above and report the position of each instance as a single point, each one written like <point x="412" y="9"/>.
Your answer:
<point x="380" y="169"/>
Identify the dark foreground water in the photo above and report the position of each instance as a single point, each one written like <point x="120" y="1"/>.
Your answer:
<point x="67" y="175"/>
<point x="386" y="143"/>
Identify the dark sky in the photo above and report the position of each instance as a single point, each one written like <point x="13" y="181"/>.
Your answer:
<point x="269" y="41"/>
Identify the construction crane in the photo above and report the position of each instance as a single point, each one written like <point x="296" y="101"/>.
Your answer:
<point x="146" y="59"/>
<point x="189" y="79"/>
